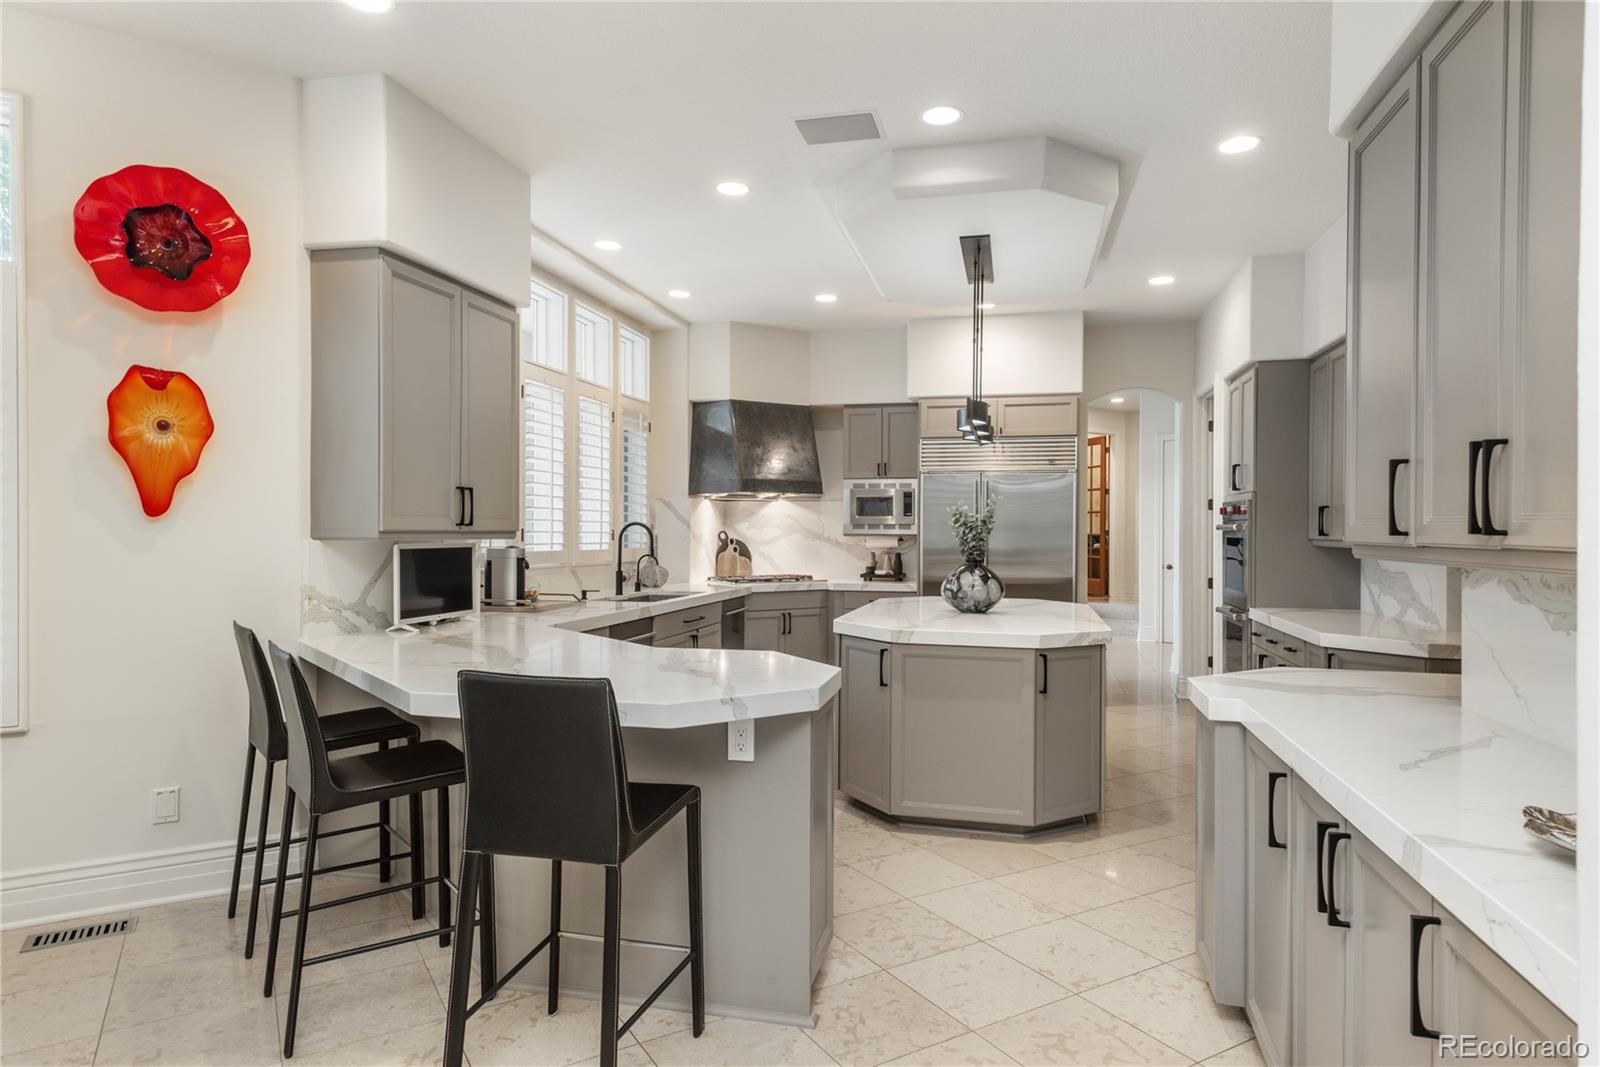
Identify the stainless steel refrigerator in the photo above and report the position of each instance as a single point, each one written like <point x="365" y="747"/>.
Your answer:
<point x="1034" y="546"/>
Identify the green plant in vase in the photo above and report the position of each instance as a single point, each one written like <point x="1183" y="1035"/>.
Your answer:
<point x="973" y="587"/>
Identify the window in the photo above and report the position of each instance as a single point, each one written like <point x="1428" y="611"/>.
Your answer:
<point x="12" y="528"/>
<point x="544" y="467"/>
<point x="594" y="474"/>
<point x="633" y="363"/>
<point x="635" y="475"/>
<point x="544" y="328"/>
<point x="591" y="345"/>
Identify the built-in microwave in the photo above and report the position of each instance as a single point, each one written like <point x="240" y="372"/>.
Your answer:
<point x="880" y="507"/>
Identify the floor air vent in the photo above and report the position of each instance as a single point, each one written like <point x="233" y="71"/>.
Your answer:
<point x="53" y="938"/>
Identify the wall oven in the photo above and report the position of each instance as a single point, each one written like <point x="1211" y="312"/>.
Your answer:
<point x="880" y="507"/>
<point x="1234" y="528"/>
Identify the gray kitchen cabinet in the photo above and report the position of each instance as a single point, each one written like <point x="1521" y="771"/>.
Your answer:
<point x="864" y="721"/>
<point x="808" y="634"/>
<point x="1220" y="917"/>
<point x="1378" y="975"/>
<point x="797" y="624"/>
<point x="1267" y="899"/>
<point x="414" y="422"/>
<point x="1382" y="318"/>
<point x="939" y="416"/>
<point x="881" y="442"/>
<point x="1035" y="416"/>
<point x="845" y="601"/>
<point x="1476" y="992"/>
<point x="683" y="640"/>
<point x="1328" y="411"/>
<point x="1069" y="732"/>
<point x="764" y="629"/>
<point x="685" y="621"/>
<point x="1316" y="980"/>
<point x="707" y="636"/>
<point x="1240" y="471"/>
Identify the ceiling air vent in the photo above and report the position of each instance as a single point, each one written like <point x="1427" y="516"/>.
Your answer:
<point x="52" y="938"/>
<point x="834" y="129"/>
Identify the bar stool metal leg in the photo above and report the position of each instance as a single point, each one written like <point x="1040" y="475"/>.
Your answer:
<point x="300" y="935"/>
<point x="244" y="820"/>
<point x="284" y="835"/>
<point x="444" y="868"/>
<point x="555" y="936"/>
<point x="385" y="868"/>
<point x="419" y="897"/>
<point x="697" y="968"/>
<point x="609" y="974"/>
<point x="261" y="856"/>
<point x="461" y="965"/>
<point x="486" y="957"/>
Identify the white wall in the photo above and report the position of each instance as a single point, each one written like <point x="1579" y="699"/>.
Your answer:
<point x="858" y="366"/>
<point x="1027" y="354"/>
<point x="1223" y="341"/>
<point x="1256" y="316"/>
<point x="1371" y="43"/>
<point x="1325" y="284"/>
<point x="383" y="167"/>
<point x="743" y="361"/>
<point x="134" y="680"/>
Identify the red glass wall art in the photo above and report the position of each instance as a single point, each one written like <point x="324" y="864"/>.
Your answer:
<point x="159" y="424"/>
<point x="161" y="237"/>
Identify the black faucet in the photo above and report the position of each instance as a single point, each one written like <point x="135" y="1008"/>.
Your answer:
<point x="622" y="577"/>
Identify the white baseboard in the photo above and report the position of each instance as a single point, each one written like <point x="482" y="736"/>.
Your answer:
<point x="1183" y="688"/>
<point x="47" y="894"/>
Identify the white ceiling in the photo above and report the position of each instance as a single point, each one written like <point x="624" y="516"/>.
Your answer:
<point x="627" y="115"/>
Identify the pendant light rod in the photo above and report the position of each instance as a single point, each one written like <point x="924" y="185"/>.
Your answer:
<point x="973" y="420"/>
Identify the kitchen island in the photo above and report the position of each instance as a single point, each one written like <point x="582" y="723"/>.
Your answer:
<point x="767" y="846"/>
<point x="994" y="720"/>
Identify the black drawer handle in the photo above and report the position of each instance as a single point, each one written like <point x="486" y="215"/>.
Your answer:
<point x="1273" y="840"/>
<point x="1322" y="837"/>
<point x="1394" y="471"/>
<point x="1255" y="633"/>
<point x="1322" y="520"/>
<point x="883" y="682"/>
<point x="1489" y="445"/>
<point x="1291" y="648"/>
<point x="1233" y="476"/>
<point x="1270" y="641"/>
<point x="1419" y="924"/>
<point x="1335" y="838"/>
<point x="1044" y="678"/>
<point x="697" y="618"/>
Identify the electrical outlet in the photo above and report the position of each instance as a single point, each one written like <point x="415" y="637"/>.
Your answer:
<point x="742" y="741"/>
<point x="164" y="804"/>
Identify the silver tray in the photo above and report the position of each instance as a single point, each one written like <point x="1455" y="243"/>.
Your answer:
<point x="1557" y="827"/>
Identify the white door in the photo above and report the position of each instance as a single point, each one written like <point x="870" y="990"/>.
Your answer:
<point x="1168" y="532"/>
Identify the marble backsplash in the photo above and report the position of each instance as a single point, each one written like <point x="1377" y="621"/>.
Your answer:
<point x="788" y="537"/>
<point x="1423" y="594"/>
<point x="1519" y="649"/>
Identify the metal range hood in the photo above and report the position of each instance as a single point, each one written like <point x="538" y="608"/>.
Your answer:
<point x="744" y="448"/>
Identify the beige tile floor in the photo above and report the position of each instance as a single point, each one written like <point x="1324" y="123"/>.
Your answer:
<point x="1074" y="948"/>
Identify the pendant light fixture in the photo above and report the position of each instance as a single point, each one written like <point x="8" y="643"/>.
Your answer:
<point x="973" y="419"/>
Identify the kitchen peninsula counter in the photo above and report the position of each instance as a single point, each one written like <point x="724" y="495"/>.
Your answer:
<point x="994" y="720"/>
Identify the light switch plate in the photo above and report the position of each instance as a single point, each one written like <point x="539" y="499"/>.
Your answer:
<point x="742" y="741"/>
<point x="164" y="804"/>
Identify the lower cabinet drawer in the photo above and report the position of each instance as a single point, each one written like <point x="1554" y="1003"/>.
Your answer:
<point x="678" y="622"/>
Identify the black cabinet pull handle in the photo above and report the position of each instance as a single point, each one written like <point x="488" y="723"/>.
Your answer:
<point x="697" y="618"/>
<point x="1489" y="445"/>
<point x="1273" y="840"/>
<point x="472" y="506"/>
<point x="1322" y="837"/>
<point x="1474" y="452"/>
<point x="461" y="505"/>
<point x="1044" y="676"/>
<point x="1233" y="476"/>
<point x="1261" y="660"/>
<point x="1270" y="641"/>
<point x="883" y="682"/>
<point x="1290" y="648"/>
<point x="1394" y="470"/>
<point x="1419" y="924"/>
<point x="1322" y="520"/>
<point x="694" y="640"/>
<point x="1335" y="837"/>
<point x="1255" y="633"/>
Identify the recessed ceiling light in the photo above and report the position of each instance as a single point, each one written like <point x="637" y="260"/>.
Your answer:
<point x="1243" y="142"/>
<point x="986" y="306"/>
<point x="608" y="245"/>
<point x="1162" y="279"/>
<point x="732" y="188"/>
<point x="826" y="298"/>
<point x="372" y="7"/>
<point x="941" y="115"/>
<point x="679" y="294"/>
<point x="1119" y="399"/>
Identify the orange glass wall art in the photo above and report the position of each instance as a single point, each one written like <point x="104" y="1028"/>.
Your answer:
<point x="159" y="425"/>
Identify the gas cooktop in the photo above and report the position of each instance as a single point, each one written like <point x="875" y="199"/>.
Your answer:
<point x="748" y="578"/>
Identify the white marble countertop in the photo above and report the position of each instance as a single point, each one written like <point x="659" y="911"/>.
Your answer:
<point x="1438" y="790"/>
<point x="655" y="687"/>
<point x="1348" y="628"/>
<point x="1013" y="623"/>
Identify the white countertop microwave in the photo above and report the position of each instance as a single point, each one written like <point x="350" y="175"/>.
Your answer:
<point x="880" y="506"/>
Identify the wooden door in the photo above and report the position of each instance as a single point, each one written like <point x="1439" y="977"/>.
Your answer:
<point x="490" y="420"/>
<point x="901" y="441"/>
<point x="1382" y="331"/>
<point x="1099" y="533"/>
<point x="863" y="442"/>
<point x="421" y="376"/>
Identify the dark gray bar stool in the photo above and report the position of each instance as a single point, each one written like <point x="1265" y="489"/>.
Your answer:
<point x="326" y="786"/>
<point x="547" y="778"/>
<point x="346" y="729"/>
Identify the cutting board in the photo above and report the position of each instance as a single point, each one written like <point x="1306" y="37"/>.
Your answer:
<point x="733" y="557"/>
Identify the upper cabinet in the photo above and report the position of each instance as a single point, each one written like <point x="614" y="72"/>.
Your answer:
<point x="1326" y="500"/>
<point x="1014" y="416"/>
<point x="881" y="442"/>
<point x="1463" y="317"/>
<point x="414" y="402"/>
<point x="1241" y="471"/>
